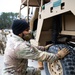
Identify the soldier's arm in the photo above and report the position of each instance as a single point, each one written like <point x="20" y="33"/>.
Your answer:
<point x="29" y="52"/>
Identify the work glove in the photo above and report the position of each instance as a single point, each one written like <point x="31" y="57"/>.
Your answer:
<point x="47" y="46"/>
<point x="62" y="53"/>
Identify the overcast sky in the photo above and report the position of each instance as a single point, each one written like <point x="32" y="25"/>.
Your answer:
<point x="11" y="6"/>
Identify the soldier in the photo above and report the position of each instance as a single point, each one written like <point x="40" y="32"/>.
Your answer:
<point x="1" y="47"/>
<point x="19" y="50"/>
<point x="2" y="41"/>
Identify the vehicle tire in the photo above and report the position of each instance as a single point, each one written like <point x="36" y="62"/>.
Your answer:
<point x="66" y="66"/>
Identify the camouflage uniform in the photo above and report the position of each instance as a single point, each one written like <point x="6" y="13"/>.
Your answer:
<point x="1" y="46"/>
<point x="2" y="41"/>
<point x="3" y="36"/>
<point x="16" y="57"/>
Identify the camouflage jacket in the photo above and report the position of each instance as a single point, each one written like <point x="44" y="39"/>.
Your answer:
<point x="17" y="53"/>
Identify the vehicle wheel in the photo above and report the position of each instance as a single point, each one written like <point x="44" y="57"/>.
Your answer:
<point x="66" y="66"/>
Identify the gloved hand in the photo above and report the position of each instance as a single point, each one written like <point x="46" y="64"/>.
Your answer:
<point x="62" y="53"/>
<point x="47" y="46"/>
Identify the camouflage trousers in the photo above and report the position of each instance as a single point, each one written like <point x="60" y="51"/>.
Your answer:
<point x="1" y="47"/>
<point x="29" y="71"/>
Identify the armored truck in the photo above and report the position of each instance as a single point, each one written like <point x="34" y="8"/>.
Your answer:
<point x="53" y="22"/>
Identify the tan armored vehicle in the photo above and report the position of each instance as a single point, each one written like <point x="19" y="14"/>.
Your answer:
<point x="54" y="22"/>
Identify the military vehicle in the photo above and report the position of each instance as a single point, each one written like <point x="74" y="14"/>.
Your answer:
<point x="54" y="22"/>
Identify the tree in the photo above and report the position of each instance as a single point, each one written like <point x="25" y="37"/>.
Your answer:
<point x="6" y="19"/>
